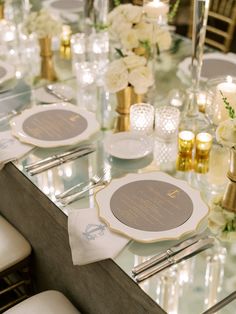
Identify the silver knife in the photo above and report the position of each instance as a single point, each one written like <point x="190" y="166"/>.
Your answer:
<point x="56" y="156"/>
<point x="192" y="250"/>
<point x="60" y="161"/>
<point x="166" y="254"/>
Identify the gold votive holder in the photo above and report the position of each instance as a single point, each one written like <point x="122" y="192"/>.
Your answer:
<point x="65" y="46"/>
<point x="184" y="162"/>
<point x="203" y="144"/>
<point x="201" y="165"/>
<point x="186" y="142"/>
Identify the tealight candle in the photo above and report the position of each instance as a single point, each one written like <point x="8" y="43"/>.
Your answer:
<point x="78" y="48"/>
<point x="141" y="117"/>
<point x="65" y="50"/>
<point x="186" y="142"/>
<point x="167" y="122"/>
<point x="203" y="144"/>
<point x="228" y="89"/>
<point x="154" y="9"/>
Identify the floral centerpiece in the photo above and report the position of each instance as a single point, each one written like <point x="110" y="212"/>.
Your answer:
<point x="221" y="221"/>
<point x="44" y="26"/>
<point x="135" y="39"/>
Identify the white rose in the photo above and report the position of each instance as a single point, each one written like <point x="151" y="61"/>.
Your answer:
<point x="116" y="77"/>
<point x="144" y="31"/>
<point x="129" y="39"/>
<point x="134" y="61"/>
<point x="163" y="39"/>
<point x="141" y="78"/>
<point x="133" y="13"/>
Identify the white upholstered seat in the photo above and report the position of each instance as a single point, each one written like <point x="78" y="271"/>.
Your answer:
<point x="47" y="302"/>
<point x="13" y="246"/>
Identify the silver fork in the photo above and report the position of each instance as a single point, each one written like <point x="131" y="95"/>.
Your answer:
<point x="93" y="182"/>
<point x="81" y="194"/>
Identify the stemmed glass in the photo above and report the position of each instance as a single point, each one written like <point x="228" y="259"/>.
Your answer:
<point x="193" y="118"/>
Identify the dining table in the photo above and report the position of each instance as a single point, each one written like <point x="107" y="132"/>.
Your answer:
<point x="107" y="286"/>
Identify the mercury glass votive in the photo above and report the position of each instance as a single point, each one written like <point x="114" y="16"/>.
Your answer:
<point x="142" y="117"/>
<point x="203" y="144"/>
<point x="186" y="142"/>
<point x="167" y="122"/>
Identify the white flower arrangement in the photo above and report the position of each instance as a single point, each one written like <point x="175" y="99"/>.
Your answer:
<point x="130" y="70"/>
<point x="221" y="221"/>
<point x="43" y="24"/>
<point x="134" y="37"/>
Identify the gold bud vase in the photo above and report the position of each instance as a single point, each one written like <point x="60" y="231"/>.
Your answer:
<point x="229" y="198"/>
<point x="125" y="99"/>
<point x="47" y="67"/>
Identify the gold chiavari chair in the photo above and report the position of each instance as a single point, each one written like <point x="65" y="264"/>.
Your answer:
<point x="220" y="25"/>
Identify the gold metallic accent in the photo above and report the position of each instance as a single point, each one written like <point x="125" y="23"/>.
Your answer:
<point x="201" y="164"/>
<point x="1" y="11"/>
<point x="122" y="123"/>
<point x="229" y="198"/>
<point x="125" y="98"/>
<point x="47" y="68"/>
<point x="65" y="47"/>
<point x="184" y="162"/>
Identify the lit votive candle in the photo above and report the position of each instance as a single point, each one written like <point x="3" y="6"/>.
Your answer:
<point x="186" y="142"/>
<point x="203" y="144"/>
<point x="65" y="49"/>
<point x="142" y="117"/>
<point x="154" y="9"/>
<point x="78" y="48"/>
<point x="167" y="122"/>
<point x="228" y="89"/>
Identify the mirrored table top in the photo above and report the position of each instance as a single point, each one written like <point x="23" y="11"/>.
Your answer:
<point x="196" y="283"/>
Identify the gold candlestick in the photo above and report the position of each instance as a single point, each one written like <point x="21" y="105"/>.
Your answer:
<point x="47" y="68"/>
<point x="1" y="11"/>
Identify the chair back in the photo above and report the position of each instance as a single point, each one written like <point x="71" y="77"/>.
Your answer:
<point x="220" y="25"/>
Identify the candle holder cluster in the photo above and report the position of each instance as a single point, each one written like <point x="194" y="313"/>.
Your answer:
<point x="166" y="122"/>
<point x="193" y="151"/>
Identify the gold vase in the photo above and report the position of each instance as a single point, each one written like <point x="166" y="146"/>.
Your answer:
<point x="126" y="98"/>
<point x="1" y="11"/>
<point x="229" y="198"/>
<point x="47" y="68"/>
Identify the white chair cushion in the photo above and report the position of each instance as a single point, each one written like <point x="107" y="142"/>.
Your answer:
<point x="47" y="302"/>
<point x="13" y="246"/>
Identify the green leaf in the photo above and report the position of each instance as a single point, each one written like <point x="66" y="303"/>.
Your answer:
<point x="173" y="11"/>
<point x="116" y="3"/>
<point x="230" y="109"/>
<point x="119" y="52"/>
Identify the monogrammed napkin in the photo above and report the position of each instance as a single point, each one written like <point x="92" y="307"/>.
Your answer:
<point x="90" y="239"/>
<point x="11" y="148"/>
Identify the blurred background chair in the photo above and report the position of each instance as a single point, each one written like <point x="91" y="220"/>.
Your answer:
<point x="220" y="25"/>
<point x="47" y="302"/>
<point x="15" y="279"/>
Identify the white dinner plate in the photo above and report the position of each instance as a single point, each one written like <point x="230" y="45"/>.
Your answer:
<point x="54" y="125"/>
<point x="214" y="64"/>
<point x="128" y="145"/>
<point x="45" y="97"/>
<point x="7" y="72"/>
<point x="151" y="207"/>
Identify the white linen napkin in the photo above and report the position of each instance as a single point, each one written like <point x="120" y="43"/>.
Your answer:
<point x="11" y="148"/>
<point x="90" y="239"/>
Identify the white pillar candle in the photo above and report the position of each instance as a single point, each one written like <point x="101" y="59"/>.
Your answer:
<point x="155" y="9"/>
<point x="228" y="89"/>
